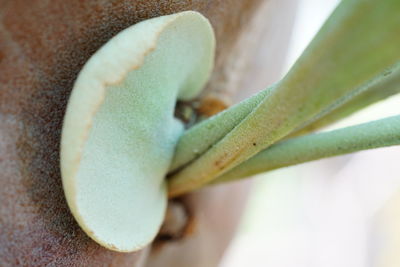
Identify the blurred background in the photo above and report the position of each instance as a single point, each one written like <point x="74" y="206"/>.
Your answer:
<point x="342" y="211"/>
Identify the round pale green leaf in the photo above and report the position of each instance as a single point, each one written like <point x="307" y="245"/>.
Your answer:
<point x="119" y="130"/>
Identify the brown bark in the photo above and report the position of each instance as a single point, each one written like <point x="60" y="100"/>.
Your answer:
<point x="43" y="45"/>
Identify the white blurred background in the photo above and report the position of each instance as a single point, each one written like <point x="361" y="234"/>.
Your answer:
<point x="342" y="211"/>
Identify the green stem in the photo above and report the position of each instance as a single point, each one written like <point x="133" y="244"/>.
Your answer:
<point x="380" y="133"/>
<point x="357" y="42"/>
<point x="198" y="139"/>
<point x="385" y="85"/>
<point x="202" y="136"/>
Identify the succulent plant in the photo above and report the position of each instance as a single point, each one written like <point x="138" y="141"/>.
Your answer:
<point x="119" y="130"/>
<point x="121" y="144"/>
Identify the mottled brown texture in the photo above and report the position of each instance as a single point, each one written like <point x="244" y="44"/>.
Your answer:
<point x="43" y="46"/>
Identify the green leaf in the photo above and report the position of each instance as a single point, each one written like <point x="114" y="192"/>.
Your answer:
<point x="119" y="131"/>
<point x="379" y="133"/>
<point x="196" y="140"/>
<point x="356" y="44"/>
<point x="383" y="86"/>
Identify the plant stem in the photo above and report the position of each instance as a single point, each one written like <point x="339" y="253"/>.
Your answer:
<point x="379" y="133"/>
<point x="357" y="42"/>
<point x="202" y="136"/>
<point x="385" y="85"/>
<point x="198" y="139"/>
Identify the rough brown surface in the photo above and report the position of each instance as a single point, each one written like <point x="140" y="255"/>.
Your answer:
<point x="43" y="45"/>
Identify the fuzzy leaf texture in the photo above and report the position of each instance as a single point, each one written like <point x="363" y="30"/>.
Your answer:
<point x="379" y="133"/>
<point x="358" y="42"/>
<point x="119" y="131"/>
